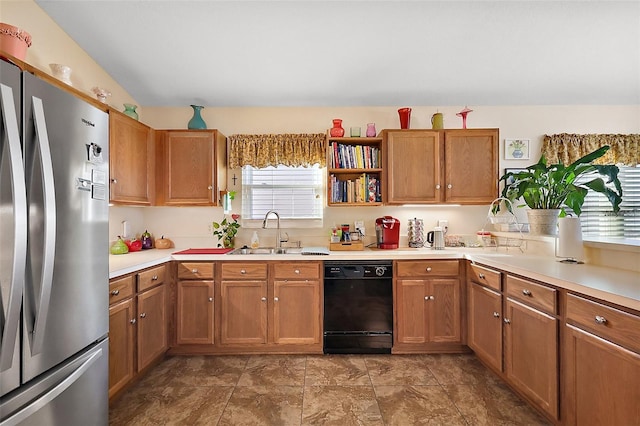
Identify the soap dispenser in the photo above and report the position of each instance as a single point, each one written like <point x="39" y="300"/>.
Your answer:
<point x="255" y="241"/>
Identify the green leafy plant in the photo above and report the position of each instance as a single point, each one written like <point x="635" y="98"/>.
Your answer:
<point x="226" y="230"/>
<point x="554" y="186"/>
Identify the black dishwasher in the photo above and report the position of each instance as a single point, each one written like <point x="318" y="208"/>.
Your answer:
<point x="358" y="307"/>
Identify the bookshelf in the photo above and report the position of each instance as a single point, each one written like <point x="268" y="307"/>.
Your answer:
<point x="354" y="171"/>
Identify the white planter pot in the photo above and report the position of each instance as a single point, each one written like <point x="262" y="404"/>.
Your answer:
<point x="543" y="221"/>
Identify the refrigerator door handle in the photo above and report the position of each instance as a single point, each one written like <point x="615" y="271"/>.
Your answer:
<point x="54" y="392"/>
<point x="48" y="255"/>
<point x="12" y="315"/>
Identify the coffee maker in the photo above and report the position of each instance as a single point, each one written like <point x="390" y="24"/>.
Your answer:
<point x="387" y="232"/>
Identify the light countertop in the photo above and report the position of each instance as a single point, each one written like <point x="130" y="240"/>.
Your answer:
<point x="615" y="285"/>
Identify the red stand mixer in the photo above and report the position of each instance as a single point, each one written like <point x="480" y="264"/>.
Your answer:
<point x="387" y="232"/>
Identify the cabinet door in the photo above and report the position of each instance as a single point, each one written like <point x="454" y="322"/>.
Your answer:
<point x="122" y="320"/>
<point x="296" y="312"/>
<point x="444" y="310"/>
<point x="243" y="309"/>
<point x="152" y="326"/>
<point x="195" y="312"/>
<point x="531" y="354"/>
<point x="411" y="316"/>
<point x="189" y="162"/>
<point x="413" y="167"/>
<point x="485" y="324"/>
<point x="601" y="380"/>
<point x="131" y="161"/>
<point x="471" y="166"/>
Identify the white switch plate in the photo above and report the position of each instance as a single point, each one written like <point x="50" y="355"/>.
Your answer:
<point x="444" y="224"/>
<point x="359" y="224"/>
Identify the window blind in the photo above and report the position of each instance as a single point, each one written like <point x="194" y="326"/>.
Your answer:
<point x="294" y="192"/>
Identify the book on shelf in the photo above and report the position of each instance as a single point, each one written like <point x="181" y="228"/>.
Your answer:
<point x="363" y="189"/>
<point x="347" y="156"/>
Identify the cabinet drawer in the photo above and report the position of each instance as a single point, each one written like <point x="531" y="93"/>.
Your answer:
<point x="536" y="295"/>
<point x="244" y="270"/>
<point x="151" y="278"/>
<point x="607" y="322"/>
<point x="427" y="268"/>
<point x="485" y="276"/>
<point x="195" y="270"/>
<point x="297" y="270"/>
<point x="120" y="289"/>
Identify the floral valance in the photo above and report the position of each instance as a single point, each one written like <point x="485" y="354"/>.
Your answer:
<point x="566" y="148"/>
<point x="289" y="149"/>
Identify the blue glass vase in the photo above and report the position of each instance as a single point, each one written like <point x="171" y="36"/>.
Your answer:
<point x="196" y="121"/>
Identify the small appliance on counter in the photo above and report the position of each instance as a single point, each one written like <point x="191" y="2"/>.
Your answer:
<point x="416" y="233"/>
<point x="436" y="238"/>
<point x="387" y="232"/>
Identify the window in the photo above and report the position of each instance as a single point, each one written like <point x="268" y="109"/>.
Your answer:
<point x="598" y="219"/>
<point x="294" y="192"/>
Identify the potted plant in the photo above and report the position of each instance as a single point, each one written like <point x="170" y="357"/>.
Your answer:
<point x="226" y="230"/>
<point x="549" y="188"/>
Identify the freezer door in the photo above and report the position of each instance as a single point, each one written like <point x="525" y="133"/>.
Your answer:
<point x="13" y="227"/>
<point x="66" y="144"/>
<point x="74" y="393"/>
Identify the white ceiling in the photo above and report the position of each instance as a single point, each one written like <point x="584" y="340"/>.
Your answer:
<point x="362" y="53"/>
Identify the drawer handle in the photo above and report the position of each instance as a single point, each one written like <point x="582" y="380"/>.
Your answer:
<point x="496" y="314"/>
<point x="154" y="278"/>
<point x="211" y="299"/>
<point x="242" y="271"/>
<point x="526" y="292"/>
<point x="428" y="268"/>
<point x="600" y="319"/>
<point x="481" y="276"/>
<point x="143" y="315"/>
<point x="194" y="271"/>
<point x="264" y="299"/>
<point x="507" y="321"/>
<point x="115" y="292"/>
<point x="297" y="271"/>
<point x="132" y="320"/>
<point x="275" y="299"/>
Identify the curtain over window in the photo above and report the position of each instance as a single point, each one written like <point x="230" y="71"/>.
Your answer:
<point x="566" y="148"/>
<point x="289" y="149"/>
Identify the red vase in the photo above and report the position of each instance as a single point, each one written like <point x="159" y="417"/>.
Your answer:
<point x="405" y="117"/>
<point x="337" y="131"/>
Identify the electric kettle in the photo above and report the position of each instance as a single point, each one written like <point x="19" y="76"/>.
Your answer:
<point x="436" y="238"/>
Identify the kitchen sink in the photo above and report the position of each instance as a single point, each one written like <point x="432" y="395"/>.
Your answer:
<point x="267" y="250"/>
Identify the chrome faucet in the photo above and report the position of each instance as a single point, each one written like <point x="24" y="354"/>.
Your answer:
<point x="264" y="226"/>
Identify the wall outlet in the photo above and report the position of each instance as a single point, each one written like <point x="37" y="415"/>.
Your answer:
<point x="444" y="224"/>
<point x="359" y="226"/>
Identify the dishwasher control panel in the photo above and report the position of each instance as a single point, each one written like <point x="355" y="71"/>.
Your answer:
<point x="354" y="270"/>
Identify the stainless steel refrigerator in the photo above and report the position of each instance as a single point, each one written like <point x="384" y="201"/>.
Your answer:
<point x="53" y="255"/>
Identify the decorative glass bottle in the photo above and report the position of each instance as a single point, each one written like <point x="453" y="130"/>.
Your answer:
<point x="371" y="130"/>
<point x="196" y="121"/>
<point x="130" y="110"/>
<point x="337" y="131"/>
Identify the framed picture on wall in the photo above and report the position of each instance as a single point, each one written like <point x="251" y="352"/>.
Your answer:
<point x="516" y="149"/>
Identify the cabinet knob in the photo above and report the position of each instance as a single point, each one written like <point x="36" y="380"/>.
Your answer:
<point x="264" y="299"/>
<point x="143" y="315"/>
<point x="242" y="271"/>
<point x="132" y="320"/>
<point x="526" y="292"/>
<point x="154" y="278"/>
<point x="507" y="321"/>
<point x="275" y="299"/>
<point x="297" y="271"/>
<point x="428" y="268"/>
<point x="432" y="297"/>
<point x="194" y="271"/>
<point x="211" y="299"/>
<point x="600" y="319"/>
<point x="481" y="276"/>
<point x="209" y="187"/>
<point x="115" y="292"/>
<point x="449" y="186"/>
<point x="496" y="314"/>
<point x="114" y="180"/>
<point x="438" y="186"/>
<point x="426" y="298"/>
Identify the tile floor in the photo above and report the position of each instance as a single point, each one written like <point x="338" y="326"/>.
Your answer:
<point x="318" y="390"/>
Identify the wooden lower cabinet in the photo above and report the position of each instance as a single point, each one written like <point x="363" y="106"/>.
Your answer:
<point x="296" y="312"/>
<point x="195" y="322"/>
<point x="243" y="310"/>
<point x="152" y="325"/>
<point x="485" y="324"/>
<point x="531" y="354"/>
<point x="122" y="338"/>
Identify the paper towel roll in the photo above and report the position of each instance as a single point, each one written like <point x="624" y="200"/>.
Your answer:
<point x="569" y="238"/>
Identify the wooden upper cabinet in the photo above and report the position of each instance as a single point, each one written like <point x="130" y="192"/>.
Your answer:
<point x="441" y="166"/>
<point x="413" y="166"/>
<point x="471" y="166"/>
<point x="131" y="161"/>
<point x="191" y="167"/>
